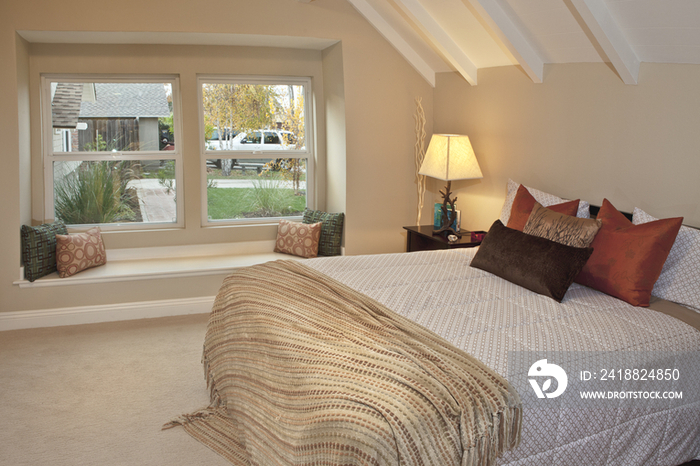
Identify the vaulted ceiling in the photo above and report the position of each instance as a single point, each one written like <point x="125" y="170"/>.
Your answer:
<point x="466" y="35"/>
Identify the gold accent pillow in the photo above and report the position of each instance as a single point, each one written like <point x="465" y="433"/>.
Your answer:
<point x="561" y="228"/>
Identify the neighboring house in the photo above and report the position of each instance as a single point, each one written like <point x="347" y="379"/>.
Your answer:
<point x="66" y="99"/>
<point x="125" y="115"/>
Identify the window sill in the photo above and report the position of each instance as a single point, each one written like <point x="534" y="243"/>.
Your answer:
<point x="166" y="262"/>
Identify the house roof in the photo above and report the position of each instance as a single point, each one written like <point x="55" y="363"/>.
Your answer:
<point x="65" y="106"/>
<point x="127" y="100"/>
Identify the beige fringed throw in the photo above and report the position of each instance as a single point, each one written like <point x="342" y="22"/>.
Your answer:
<point x="304" y="370"/>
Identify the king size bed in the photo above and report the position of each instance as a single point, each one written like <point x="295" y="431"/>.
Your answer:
<point x="425" y="358"/>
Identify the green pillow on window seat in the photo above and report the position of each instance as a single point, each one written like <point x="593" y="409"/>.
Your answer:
<point x="39" y="249"/>
<point x="331" y="230"/>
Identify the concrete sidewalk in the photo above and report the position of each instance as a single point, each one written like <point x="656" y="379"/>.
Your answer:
<point x="157" y="205"/>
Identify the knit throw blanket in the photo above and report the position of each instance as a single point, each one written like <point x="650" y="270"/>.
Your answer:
<point x="304" y="370"/>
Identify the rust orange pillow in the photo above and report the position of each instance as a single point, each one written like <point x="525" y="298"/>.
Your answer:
<point x="523" y="204"/>
<point x="627" y="259"/>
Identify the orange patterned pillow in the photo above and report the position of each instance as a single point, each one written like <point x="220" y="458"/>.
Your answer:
<point x="79" y="251"/>
<point x="627" y="259"/>
<point x="523" y="204"/>
<point x="299" y="239"/>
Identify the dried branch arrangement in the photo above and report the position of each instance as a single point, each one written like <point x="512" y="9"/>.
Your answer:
<point x="420" y="155"/>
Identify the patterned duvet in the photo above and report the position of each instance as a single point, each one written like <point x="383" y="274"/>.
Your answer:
<point x="493" y="319"/>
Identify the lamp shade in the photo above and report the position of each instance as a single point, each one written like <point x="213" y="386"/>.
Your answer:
<point x="450" y="157"/>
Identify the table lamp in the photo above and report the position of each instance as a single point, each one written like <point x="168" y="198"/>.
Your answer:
<point x="450" y="157"/>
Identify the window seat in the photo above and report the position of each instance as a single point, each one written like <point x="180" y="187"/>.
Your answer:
<point x="166" y="262"/>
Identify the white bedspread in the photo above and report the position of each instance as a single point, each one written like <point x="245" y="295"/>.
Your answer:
<point x="489" y="317"/>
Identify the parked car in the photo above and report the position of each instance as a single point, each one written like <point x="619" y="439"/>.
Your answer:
<point x="260" y="140"/>
<point x="264" y="140"/>
<point x="214" y="143"/>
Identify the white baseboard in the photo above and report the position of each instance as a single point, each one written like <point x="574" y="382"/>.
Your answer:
<point x="104" y="313"/>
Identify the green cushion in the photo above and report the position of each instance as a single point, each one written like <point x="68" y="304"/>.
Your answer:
<point x="331" y="230"/>
<point x="39" y="249"/>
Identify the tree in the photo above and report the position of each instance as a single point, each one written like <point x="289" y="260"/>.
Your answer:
<point x="233" y="108"/>
<point x="292" y="118"/>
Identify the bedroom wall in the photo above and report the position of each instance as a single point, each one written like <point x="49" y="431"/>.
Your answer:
<point x="372" y="88"/>
<point x="581" y="134"/>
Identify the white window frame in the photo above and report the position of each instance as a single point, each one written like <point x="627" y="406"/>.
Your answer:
<point x="49" y="157"/>
<point x="308" y="153"/>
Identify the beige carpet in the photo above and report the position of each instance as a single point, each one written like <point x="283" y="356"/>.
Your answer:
<point x="98" y="394"/>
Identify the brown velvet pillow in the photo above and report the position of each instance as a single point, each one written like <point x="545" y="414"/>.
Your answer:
<point x="538" y="264"/>
<point x="523" y="204"/>
<point x="564" y="229"/>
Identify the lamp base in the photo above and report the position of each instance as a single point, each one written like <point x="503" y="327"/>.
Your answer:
<point x="448" y="216"/>
<point x="449" y="230"/>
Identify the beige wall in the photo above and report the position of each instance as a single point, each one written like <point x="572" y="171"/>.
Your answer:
<point x="581" y="134"/>
<point x="366" y="170"/>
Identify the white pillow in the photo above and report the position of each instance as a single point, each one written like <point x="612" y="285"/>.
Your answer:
<point x="545" y="199"/>
<point x="680" y="277"/>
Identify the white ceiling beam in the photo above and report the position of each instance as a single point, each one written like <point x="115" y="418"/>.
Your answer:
<point x="527" y="55"/>
<point x="452" y="52"/>
<point x="395" y="39"/>
<point x="610" y="38"/>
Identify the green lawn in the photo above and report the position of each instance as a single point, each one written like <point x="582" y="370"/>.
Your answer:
<point x="230" y="203"/>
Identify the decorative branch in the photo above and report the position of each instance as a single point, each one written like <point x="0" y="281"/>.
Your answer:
<point x="448" y="215"/>
<point x="419" y="156"/>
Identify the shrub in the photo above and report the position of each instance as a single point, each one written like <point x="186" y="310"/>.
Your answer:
<point x="95" y="193"/>
<point x="269" y="199"/>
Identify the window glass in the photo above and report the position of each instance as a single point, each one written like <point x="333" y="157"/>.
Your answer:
<point x="258" y="159"/>
<point x="239" y="114"/>
<point x="111" y="116"/>
<point x="255" y="188"/>
<point x="102" y="192"/>
<point x="112" y="155"/>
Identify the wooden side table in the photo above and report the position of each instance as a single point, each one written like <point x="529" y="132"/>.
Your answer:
<point x="421" y="238"/>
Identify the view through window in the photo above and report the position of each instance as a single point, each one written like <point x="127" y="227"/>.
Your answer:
<point x="256" y="147"/>
<point x="111" y="151"/>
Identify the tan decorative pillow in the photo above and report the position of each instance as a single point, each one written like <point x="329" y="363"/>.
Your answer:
<point x="79" y="251"/>
<point x="299" y="239"/>
<point x="561" y="228"/>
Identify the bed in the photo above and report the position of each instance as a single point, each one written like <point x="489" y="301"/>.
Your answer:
<point x="494" y="319"/>
<point x="476" y="333"/>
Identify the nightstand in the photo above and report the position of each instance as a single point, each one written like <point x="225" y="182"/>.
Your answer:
<point x="421" y="238"/>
